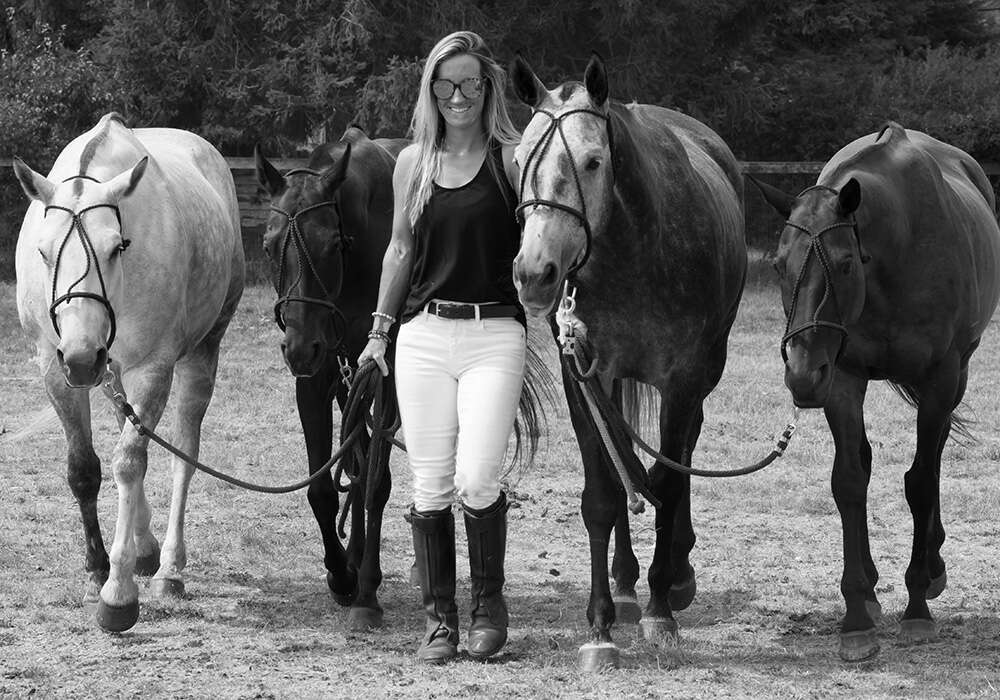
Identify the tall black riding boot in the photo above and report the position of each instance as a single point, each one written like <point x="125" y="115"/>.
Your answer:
<point x="487" y="533"/>
<point x="434" y="548"/>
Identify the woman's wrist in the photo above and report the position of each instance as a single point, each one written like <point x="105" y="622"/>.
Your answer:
<point x="375" y="334"/>
<point x="382" y="322"/>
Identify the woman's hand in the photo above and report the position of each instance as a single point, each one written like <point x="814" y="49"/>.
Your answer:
<point x="375" y="352"/>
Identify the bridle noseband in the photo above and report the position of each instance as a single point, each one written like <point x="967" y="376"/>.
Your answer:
<point x="536" y="155"/>
<point x="816" y="246"/>
<point x="293" y="235"/>
<point x="91" y="253"/>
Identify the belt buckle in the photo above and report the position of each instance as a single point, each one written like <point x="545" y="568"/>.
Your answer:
<point x="447" y="309"/>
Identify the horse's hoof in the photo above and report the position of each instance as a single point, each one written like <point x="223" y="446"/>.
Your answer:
<point x="341" y="597"/>
<point x="166" y="588"/>
<point x="148" y="564"/>
<point x="659" y="631"/>
<point x="627" y="610"/>
<point x="859" y="645"/>
<point x="938" y="584"/>
<point x="92" y="593"/>
<point x="112" y="618"/>
<point x="414" y="576"/>
<point x="595" y="657"/>
<point x="363" y="619"/>
<point x="874" y="610"/>
<point x="682" y="592"/>
<point x="917" y="630"/>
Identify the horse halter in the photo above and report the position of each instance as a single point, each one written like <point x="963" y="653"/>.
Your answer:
<point x="88" y="248"/>
<point x="537" y="153"/>
<point x="293" y="235"/>
<point x="816" y="246"/>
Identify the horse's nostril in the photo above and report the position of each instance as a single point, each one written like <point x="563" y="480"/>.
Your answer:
<point x="549" y="275"/>
<point x="101" y="362"/>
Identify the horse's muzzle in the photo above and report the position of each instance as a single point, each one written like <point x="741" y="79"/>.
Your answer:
<point x="83" y="368"/>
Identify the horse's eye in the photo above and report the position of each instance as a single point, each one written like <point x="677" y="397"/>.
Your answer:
<point x="45" y="257"/>
<point x="846" y="266"/>
<point x="593" y="164"/>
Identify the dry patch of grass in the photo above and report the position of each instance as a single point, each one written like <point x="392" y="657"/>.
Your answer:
<point x="257" y="621"/>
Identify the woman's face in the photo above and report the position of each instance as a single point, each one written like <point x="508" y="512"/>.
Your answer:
<point x="461" y="76"/>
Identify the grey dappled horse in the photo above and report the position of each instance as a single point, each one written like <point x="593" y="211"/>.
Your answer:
<point x="130" y="253"/>
<point x="641" y="208"/>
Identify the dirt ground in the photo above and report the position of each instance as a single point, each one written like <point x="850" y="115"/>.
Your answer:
<point x="257" y="620"/>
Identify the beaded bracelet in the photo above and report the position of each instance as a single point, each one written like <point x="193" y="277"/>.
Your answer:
<point x="379" y="335"/>
<point x="387" y="317"/>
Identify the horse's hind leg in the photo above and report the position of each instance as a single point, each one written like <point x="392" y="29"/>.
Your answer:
<point x="624" y="564"/>
<point x="194" y="381"/>
<point x="684" y="588"/>
<point x="937" y="400"/>
<point x="625" y="572"/>
<point x="938" y="572"/>
<point x="679" y="415"/>
<point x="366" y="612"/>
<point x="83" y="472"/>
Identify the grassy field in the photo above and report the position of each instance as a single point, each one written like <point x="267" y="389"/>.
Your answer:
<point x="257" y="621"/>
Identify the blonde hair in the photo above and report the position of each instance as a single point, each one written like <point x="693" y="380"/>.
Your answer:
<point x="427" y="126"/>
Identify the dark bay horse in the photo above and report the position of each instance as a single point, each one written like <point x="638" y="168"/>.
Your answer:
<point x="641" y="209"/>
<point x="326" y="235"/>
<point x="889" y="270"/>
<point x="130" y="259"/>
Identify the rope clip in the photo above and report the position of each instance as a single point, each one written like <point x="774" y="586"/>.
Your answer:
<point x="571" y="328"/>
<point x="346" y="373"/>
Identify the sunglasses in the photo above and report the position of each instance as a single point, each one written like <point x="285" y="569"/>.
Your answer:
<point x="444" y="89"/>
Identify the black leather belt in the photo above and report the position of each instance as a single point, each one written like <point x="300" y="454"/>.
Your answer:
<point x="453" y="310"/>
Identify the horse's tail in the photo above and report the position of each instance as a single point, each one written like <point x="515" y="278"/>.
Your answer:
<point x="43" y="420"/>
<point x="538" y="392"/>
<point x="640" y="406"/>
<point x="960" y="425"/>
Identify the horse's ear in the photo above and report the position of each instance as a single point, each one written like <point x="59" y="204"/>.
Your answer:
<point x="850" y="197"/>
<point x="334" y="175"/>
<point x="781" y="201"/>
<point x="35" y="185"/>
<point x="528" y="88"/>
<point x="267" y="175"/>
<point x="595" y="78"/>
<point x="122" y="184"/>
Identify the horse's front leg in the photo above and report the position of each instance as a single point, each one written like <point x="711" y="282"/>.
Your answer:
<point x="83" y="471"/>
<point x="624" y="564"/>
<point x="601" y="502"/>
<point x="314" y="397"/>
<point x="939" y="395"/>
<point x="148" y="388"/>
<point x="680" y="414"/>
<point x="849" y="482"/>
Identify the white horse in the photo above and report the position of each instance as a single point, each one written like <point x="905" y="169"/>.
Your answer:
<point x="130" y="259"/>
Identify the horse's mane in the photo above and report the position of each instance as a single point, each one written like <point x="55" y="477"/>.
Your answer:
<point x="878" y="148"/>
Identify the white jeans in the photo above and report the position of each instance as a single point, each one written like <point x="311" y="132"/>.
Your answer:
<point x="458" y="383"/>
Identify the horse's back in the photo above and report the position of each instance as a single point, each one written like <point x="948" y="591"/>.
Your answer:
<point x="715" y="168"/>
<point x="934" y="206"/>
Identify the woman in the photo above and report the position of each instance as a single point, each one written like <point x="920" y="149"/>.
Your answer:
<point x="460" y="355"/>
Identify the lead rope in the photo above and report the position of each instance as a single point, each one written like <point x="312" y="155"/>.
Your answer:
<point x="571" y="332"/>
<point x="115" y="392"/>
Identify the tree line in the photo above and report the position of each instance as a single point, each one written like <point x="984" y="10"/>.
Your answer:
<point x="779" y="80"/>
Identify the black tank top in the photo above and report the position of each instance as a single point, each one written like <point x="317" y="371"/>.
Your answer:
<point x="465" y="240"/>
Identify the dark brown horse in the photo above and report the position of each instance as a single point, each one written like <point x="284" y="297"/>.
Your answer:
<point x="641" y="209"/>
<point x="326" y="235"/>
<point x="889" y="270"/>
